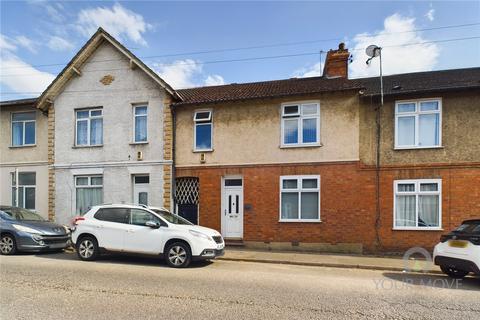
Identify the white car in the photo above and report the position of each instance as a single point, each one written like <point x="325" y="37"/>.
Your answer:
<point x="458" y="252"/>
<point x="139" y="229"/>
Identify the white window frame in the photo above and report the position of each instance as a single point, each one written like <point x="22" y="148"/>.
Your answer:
<point x="23" y="128"/>
<point x="416" y="193"/>
<point x="24" y="186"/>
<point x="134" y="123"/>
<point x="89" y="119"/>
<point x="299" y="190"/>
<point x="300" y="119"/>
<point x="196" y="123"/>
<point x="88" y="185"/>
<point x="417" y="114"/>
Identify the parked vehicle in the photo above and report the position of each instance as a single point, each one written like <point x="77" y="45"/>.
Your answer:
<point x="458" y="252"/>
<point x="139" y="229"/>
<point x="24" y="230"/>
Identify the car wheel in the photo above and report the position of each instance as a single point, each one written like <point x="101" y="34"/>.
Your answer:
<point x="7" y="245"/>
<point x="87" y="248"/>
<point x="453" y="272"/>
<point x="178" y="255"/>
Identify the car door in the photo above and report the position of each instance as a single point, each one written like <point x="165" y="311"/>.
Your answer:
<point x="141" y="238"/>
<point x="111" y="227"/>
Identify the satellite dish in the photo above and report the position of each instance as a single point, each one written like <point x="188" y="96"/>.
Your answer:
<point x="372" y="51"/>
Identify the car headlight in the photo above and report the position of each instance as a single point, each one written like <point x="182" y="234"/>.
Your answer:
<point x="26" y="229"/>
<point x="199" y="234"/>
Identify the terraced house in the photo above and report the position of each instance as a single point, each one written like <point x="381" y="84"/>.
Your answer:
<point x="318" y="164"/>
<point x="305" y="164"/>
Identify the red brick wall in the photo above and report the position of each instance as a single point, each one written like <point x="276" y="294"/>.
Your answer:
<point x="460" y="201"/>
<point x="347" y="203"/>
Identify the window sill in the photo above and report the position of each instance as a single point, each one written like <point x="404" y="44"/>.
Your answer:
<point x="313" y="145"/>
<point x="93" y="146"/>
<point x="300" y="220"/>
<point x="23" y="146"/>
<point x="203" y="151"/>
<point x="414" y="148"/>
<point x="139" y="142"/>
<point x="417" y="229"/>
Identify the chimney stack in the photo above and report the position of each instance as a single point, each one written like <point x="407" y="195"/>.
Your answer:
<point x="336" y="63"/>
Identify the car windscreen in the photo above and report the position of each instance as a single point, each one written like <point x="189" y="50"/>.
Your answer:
<point x="172" y="218"/>
<point x="20" y="214"/>
<point x="468" y="227"/>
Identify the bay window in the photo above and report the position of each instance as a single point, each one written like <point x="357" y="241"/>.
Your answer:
<point x="418" y="124"/>
<point x="417" y="204"/>
<point x="300" y="198"/>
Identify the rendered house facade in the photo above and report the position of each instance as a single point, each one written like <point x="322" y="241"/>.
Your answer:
<point x="24" y="156"/>
<point x="107" y="138"/>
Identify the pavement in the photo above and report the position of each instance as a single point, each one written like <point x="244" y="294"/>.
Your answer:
<point x="60" y="286"/>
<point x="392" y="263"/>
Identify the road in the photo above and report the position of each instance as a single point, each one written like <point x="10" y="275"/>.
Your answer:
<point x="59" y="286"/>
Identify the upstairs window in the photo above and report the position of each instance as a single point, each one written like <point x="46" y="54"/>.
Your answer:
<point x="89" y="127"/>
<point x="23" y="129"/>
<point x="418" y="124"/>
<point x="203" y="130"/>
<point x="140" y="123"/>
<point x="300" y="124"/>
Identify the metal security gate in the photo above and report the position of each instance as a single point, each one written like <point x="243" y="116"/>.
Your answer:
<point x="186" y="198"/>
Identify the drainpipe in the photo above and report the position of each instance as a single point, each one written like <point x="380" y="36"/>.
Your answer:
<point x="16" y="189"/>
<point x="377" y="171"/>
<point x="174" y="180"/>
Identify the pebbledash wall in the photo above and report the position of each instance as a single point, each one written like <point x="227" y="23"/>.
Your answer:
<point x="116" y="159"/>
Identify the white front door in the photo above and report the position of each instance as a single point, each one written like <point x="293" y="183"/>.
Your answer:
<point x="140" y="189"/>
<point x="232" y="208"/>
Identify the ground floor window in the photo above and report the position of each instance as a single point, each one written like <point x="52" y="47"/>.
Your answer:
<point x="417" y="204"/>
<point x="23" y="192"/>
<point x="300" y="198"/>
<point x="89" y="192"/>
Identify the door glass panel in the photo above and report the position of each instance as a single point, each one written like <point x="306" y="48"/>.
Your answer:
<point x="236" y="203"/>
<point x="229" y="204"/>
<point x="143" y="198"/>
<point x="233" y="182"/>
<point x="142" y="179"/>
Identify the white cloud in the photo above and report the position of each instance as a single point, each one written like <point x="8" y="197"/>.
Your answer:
<point x="397" y="59"/>
<point x="186" y="73"/>
<point x="430" y="15"/>
<point x="6" y="43"/>
<point x="180" y="73"/>
<point x="57" y="43"/>
<point x="117" y="20"/>
<point x="310" y="71"/>
<point x="214" y="80"/>
<point x="20" y="77"/>
<point x="27" y="43"/>
<point x="55" y="12"/>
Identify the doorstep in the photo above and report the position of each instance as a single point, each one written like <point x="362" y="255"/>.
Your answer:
<point x="320" y="260"/>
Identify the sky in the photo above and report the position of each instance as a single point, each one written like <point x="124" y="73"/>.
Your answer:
<point x="275" y="40"/>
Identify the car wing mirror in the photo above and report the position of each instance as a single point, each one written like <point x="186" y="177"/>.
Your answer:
<point x="152" y="224"/>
